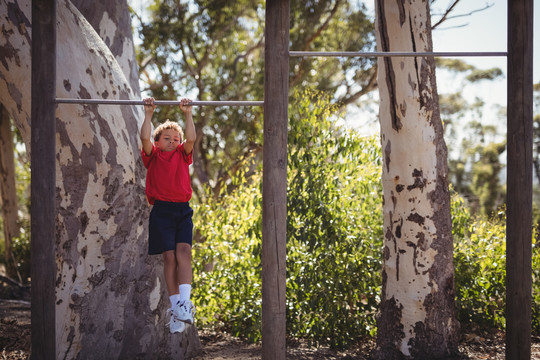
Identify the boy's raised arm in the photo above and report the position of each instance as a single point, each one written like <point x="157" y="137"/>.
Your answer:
<point x="189" y="132"/>
<point x="146" y="127"/>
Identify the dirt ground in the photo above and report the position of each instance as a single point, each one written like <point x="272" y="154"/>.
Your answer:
<point x="15" y="339"/>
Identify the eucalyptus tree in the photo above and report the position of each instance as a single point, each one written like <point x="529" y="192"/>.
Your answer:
<point x="417" y="310"/>
<point x="110" y="300"/>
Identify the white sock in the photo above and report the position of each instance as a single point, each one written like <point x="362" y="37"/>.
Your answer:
<point x="185" y="292"/>
<point x="174" y="299"/>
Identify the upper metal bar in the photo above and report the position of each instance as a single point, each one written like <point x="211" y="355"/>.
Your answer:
<point x="157" y="102"/>
<point x="393" y="53"/>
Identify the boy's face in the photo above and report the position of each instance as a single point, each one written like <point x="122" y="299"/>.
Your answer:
<point x="169" y="140"/>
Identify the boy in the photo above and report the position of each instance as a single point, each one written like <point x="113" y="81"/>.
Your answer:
<point x="168" y="189"/>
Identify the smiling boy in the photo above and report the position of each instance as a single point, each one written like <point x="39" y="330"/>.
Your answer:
<point x="168" y="189"/>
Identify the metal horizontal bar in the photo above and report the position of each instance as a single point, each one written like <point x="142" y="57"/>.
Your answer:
<point x="391" y="54"/>
<point x="157" y="102"/>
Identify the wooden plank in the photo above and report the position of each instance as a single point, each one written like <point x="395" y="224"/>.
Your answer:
<point x="276" y="90"/>
<point x="519" y="182"/>
<point x="43" y="187"/>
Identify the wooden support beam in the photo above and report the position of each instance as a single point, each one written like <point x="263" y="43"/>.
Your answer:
<point x="276" y="97"/>
<point x="43" y="187"/>
<point x="519" y="182"/>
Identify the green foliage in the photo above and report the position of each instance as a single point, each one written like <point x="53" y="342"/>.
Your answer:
<point x="226" y="260"/>
<point x="455" y="65"/>
<point x="21" y="243"/>
<point x="334" y="230"/>
<point x="21" y="253"/>
<point x="452" y="103"/>
<point x="332" y="26"/>
<point x="207" y="50"/>
<point x="486" y="170"/>
<point x="476" y="168"/>
<point x="480" y="269"/>
<point x="214" y="50"/>
<point x="472" y="73"/>
<point x="536" y="286"/>
<point x="488" y="74"/>
<point x="475" y="142"/>
<point x="334" y="227"/>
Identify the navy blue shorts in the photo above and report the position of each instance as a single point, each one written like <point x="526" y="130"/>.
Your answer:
<point x="170" y="223"/>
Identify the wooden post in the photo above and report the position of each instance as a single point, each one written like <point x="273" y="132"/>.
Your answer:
<point x="43" y="187"/>
<point x="519" y="182"/>
<point x="276" y="97"/>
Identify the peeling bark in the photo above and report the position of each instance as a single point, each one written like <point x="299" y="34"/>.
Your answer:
<point x="110" y="297"/>
<point x="111" y="20"/>
<point x="417" y="317"/>
<point x="390" y="77"/>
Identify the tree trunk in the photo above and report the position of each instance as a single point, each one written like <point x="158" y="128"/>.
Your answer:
<point x="417" y="313"/>
<point x="8" y="193"/>
<point x="111" y="20"/>
<point x="110" y="295"/>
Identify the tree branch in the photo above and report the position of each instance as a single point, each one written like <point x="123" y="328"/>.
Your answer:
<point x="371" y="85"/>
<point x="446" y="14"/>
<point x="312" y="38"/>
<point x="235" y="63"/>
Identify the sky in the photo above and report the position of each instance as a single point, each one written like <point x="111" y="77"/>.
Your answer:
<point x="481" y="31"/>
<point x="485" y="31"/>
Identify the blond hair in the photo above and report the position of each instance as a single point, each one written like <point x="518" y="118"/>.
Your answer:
<point x="168" y="125"/>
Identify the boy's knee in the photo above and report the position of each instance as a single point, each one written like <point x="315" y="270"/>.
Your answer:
<point x="183" y="251"/>
<point x="169" y="257"/>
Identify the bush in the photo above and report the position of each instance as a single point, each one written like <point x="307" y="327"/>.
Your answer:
<point x="334" y="242"/>
<point x="536" y="286"/>
<point x="334" y="230"/>
<point x="227" y="261"/>
<point x="480" y="274"/>
<point x="334" y="227"/>
<point x="480" y="261"/>
<point x="20" y="244"/>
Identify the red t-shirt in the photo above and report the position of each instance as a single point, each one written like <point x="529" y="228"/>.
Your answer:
<point x="167" y="178"/>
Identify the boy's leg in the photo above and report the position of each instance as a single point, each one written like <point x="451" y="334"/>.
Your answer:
<point x="184" y="237"/>
<point x="185" y="310"/>
<point x="170" y="272"/>
<point x="161" y="240"/>
<point x="183" y="258"/>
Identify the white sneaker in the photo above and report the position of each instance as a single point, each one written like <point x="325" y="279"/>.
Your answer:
<point x="184" y="311"/>
<point x="176" y="326"/>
